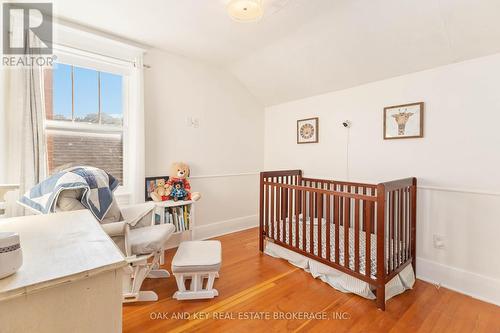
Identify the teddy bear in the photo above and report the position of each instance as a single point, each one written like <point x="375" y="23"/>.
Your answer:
<point x="161" y="191"/>
<point x="178" y="183"/>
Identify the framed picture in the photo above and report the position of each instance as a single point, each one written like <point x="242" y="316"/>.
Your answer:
<point x="307" y="130"/>
<point x="151" y="184"/>
<point x="404" y="121"/>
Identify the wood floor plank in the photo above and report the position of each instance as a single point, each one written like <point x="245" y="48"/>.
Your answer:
<point x="252" y="283"/>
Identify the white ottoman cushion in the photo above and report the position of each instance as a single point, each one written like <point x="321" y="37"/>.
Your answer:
<point x="197" y="256"/>
<point x="149" y="239"/>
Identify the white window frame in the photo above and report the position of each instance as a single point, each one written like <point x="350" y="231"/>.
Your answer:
<point x="79" y="58"/>
<point x="84" y="44"/>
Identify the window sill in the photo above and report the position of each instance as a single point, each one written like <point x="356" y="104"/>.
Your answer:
<point x="122" y="195"/>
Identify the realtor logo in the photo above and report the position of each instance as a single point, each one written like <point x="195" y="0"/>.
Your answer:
<point x="27" y="28"/>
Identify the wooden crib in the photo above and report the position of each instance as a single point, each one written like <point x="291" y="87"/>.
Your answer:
<point x="386" y="212"/>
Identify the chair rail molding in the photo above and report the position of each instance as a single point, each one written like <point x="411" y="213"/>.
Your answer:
<point x="226" y="175"/>
<point x="459" y="190"/>
<point x="426" y="187"/>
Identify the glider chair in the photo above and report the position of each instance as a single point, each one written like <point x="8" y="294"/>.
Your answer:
<point x="140" y="241"/>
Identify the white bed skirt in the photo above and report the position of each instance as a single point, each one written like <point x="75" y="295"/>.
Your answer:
<point x="339" y="280"/>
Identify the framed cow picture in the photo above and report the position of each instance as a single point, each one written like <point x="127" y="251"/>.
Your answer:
<point x="307" y="130"/>
<point x="404" y="121"/>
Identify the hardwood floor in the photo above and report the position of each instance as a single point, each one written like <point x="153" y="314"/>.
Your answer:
<point x="255" y="285"/>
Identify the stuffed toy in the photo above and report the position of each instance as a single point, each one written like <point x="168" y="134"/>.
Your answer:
<point x="178" y="183"/>
<point x="161" y="192"/>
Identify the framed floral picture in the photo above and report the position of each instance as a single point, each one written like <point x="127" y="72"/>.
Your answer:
<point x="404" y="121"/>
<point x="308" y="130"/>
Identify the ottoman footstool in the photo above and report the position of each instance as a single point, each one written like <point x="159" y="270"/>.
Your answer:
<point x="198" y="261"/>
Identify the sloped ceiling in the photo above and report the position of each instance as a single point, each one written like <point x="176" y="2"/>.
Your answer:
<point x="304" y="47"/>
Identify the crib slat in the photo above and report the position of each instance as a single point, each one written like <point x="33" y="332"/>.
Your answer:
<point x="271" y="227"/>
<point x="311" y="222"/>
<point x="408" y="223"/>
<point x="341" y="206"/>
<point x="400" y="226"/>
<point x="402" y="235"/>
<point x="285" y="206"/>
<point x="304" y="216"/>
<point x="391" y="232"/>
<point x="407" y="238"/>
<point x="266" y="196"/>
<point x="356" y="235"/>
<point x="368" y="238"/>
<point x="278" y="212"/>
<point x="320" y="224"/>
<point x="397" y="229"/>
<point x="290" y="214"/>
<point x="405" y="209"/>
<point x="393" y="229"/>
<point x="286" y="209"/>
<point x="364" y="212"/>
<point x="328" y="234"/>
<point x="347" y="220"/>
<point x="297" y="203"/>
<point x="336" y="208"/>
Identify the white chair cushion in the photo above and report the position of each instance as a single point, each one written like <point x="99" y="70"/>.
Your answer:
<point x="197" y="256"/>
<point x="69" y="200"/>
<point x="149" y="239"/>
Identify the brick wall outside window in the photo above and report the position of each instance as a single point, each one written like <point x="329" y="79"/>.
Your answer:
<point x="103" y="152"/>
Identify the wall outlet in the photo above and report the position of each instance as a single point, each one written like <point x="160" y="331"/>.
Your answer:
<point x="438" y="241"/>
<point x="192" y="122"/>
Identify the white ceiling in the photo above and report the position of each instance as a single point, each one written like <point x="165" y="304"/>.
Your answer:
<point x="304" y="47"/>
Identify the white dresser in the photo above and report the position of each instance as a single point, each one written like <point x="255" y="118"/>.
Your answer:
<point x="70" y="280"/>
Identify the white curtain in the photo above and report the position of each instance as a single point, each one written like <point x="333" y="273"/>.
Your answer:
<point x="26" y="163"/>
<point x="136" y="137"/>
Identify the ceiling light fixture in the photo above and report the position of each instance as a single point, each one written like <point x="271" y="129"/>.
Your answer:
<point x="245" y="10"/>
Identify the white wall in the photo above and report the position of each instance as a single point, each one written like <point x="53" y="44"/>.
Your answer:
<point x="225" y="152"/>
<point x="3" y="130"/>
<point x="460" y="151"/>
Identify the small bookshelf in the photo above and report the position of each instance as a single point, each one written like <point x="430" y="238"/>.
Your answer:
<point x="179" y="213"/>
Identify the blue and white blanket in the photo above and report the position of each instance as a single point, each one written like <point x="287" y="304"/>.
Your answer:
<point x="97" y="185"/>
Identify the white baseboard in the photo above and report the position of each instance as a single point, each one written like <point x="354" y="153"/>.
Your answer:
<point x="217" y="229"/>
<point x="475" y="285"/>
<point x="226" y="227"/>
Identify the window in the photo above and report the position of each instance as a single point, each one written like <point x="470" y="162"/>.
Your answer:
<point x="85" y="113"/>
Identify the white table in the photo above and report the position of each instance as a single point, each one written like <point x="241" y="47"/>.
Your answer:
<point x="71" y="278"/>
